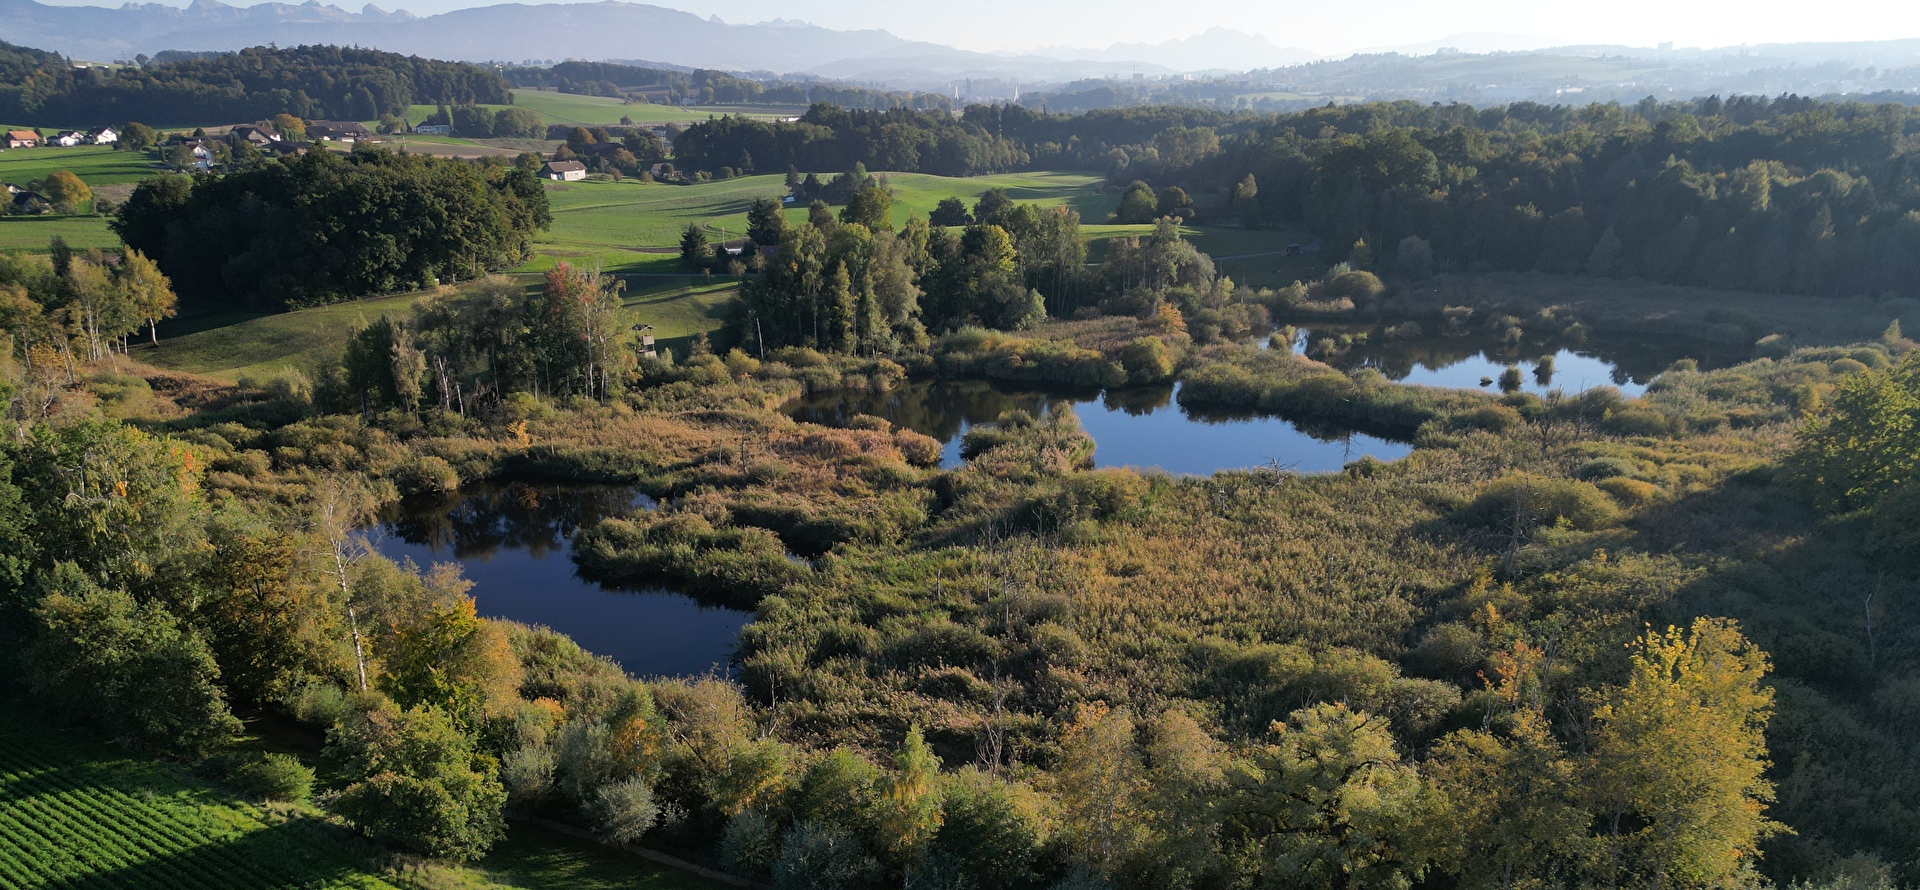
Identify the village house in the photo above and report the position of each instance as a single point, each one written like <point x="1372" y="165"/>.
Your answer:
<point x="22" y="138"/>
<point x="202" y="154"/>
<point x="21" y="202"/>
<point x="564" y="171"/>
<point x="337" y="131"/>
<point x="434" y="129"/>
<point x="255" y="134"/>
<point x="281" y="148"/>
<point x="69" y="139"/>
<point x="104" y="136"/>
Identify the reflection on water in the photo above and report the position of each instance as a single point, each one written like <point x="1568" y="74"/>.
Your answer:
<point x="513" y="542"/>
<point x="1479" y="360"/>
<point x="1136" y="426"/>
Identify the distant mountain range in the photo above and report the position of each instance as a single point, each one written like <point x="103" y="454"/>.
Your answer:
<point x="515" y="32"/>
<point x="1483" y="68"/>
<point x="1218" y="49"/>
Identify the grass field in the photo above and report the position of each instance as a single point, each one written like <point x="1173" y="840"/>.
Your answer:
<point x="589" y="111"/>
<point x="97" y="165"/>
<point x="230" y="346"/>
<point x="608" y="222"/>
<point x="31" y="233"/>
<point x="567" y="108"/>
<point x="75" y="813"/>
<point x="80" y="814"/>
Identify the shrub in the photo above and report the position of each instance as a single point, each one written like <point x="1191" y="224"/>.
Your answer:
<point x="1520" y="502"/>
<point x="1147" y="360"/>
<point x="623" y="811"/>
<point x="919" y="449"/>
<point x="1629" y="492"/>
<point x="426" y="474"/>
<point x="1604" y="468"/>
<point x="823" y="857"/>
<point x="273" y="777"/>
<point x="1894" y="531"/>
<point x="750" y="844"/>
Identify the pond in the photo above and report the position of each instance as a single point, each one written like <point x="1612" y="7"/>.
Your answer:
<point x="514" y="542"/>
<point x="1478" y="361"/>
<point x="1141" y="427"/>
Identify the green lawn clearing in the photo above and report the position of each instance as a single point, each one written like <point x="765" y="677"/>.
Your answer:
<point x="32" y="233"/>
<point x="234" y="345"/>
<point x="78" y="813"/>
<point x="615" y="224"/>
<point x="96" y="165"/>
<point x="588" y="111"/>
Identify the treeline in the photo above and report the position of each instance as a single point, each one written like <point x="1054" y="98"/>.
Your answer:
<point x="1793" y="196"/>
<point x="849" y="283"/>
<point x="832" y="138"/>
<point x="708" y="87"/>
<point x="312" y="82"/>
<point x="323" y="226"/>
<point x="1788" y="194"/>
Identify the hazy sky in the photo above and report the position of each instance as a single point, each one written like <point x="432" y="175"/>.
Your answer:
<point x="1322" y="27"/>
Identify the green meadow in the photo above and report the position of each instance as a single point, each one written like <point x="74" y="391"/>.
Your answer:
<point x="614" y="223"/>
<point x="97" y="165"/>
<point x="229" y="346"/>
<point x="567" y="108"/>
<point x="84" y="814"/>
<point x="31" y="233"/>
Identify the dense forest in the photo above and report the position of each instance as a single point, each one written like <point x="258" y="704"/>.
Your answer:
<point x="312" y="82"/>
<point x="707" y="87"/>
<point x="1771" y="195"/>
<point x="323" y="227"/>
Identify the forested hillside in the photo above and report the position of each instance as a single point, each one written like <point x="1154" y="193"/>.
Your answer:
<point x="325" y="82"/>
<point x="1770" y="195"/>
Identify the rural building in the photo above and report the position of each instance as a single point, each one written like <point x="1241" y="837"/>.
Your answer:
<point x="434" y="129"/>
<point x="564" y="171"/>
<point x="252" y="133"/>
<point x="22" y="138"/>
<point x="646" y="339"/>
<point x="281" y="148"/>
<point x="69" y="139"/>
<point x="104" y="136"/>
<point x="337" y="131"/>
<point x="202" y="155"/>
<point x="25" y="203"/>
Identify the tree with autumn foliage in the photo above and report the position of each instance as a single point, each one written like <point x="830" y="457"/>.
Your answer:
<point x="1678" y="781"/>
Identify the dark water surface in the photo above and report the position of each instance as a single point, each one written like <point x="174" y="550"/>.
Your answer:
<point x="513" y="541"/>
<point x="1463" y="362"/>
<point x="1140" y="427"/>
